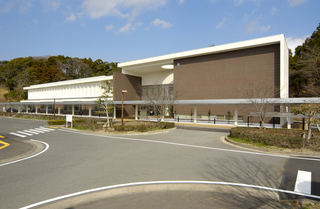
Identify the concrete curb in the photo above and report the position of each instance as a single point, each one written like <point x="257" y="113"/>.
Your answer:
<point x="37" y="148"/>
<point x="141" y="188"/>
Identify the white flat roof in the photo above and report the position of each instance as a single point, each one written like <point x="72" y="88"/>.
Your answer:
<point x="70" y="82"/>
<point x="155" y="63"/>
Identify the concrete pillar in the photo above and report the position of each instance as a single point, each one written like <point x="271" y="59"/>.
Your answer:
<point x="136" y="112"/>
<point x="36" y="107"/>
<point x="47" y="109"/>
<point x="89" y="110"/>
<point x="72" y="109"/>
<point x="19" y="109"/>
<point x="114" y="111"/>
<point x="236" y="116"/>
<point x="289" y="123"/>
<point x="27" y="107"/>
<point x="195" y="114"/>
<point x="59" y="109"/>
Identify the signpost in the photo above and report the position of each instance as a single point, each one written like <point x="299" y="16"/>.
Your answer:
<point x="68" y="119"/>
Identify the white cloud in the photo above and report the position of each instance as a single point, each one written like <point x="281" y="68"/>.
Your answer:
<point x="108" y="27"/>
<point x="273" y="11"/>
<point x="25" y="5"/>
<point x="162" y="23"/>
<point x="7" y="7"/>
<point x="181" y="1"/>
<point x="127" y="28"/>
<point x="238" y="2"/>
<point x="71" y="18"/>
<point x="122" y="8"/>
<point x="35" y="21"/>
<point x="52" y="4"/>
<point x="294" y="42"/>
<point x="293" y="3"/>
<point x="254" y="26"/>
<point x="264" y="28"/>
<point x="220" y="25"/>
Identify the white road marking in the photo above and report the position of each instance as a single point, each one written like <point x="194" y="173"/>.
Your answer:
<point x="41" y="129"/>
<point x="303" y="182"/>
<point x="196" y="146"/>
<point x="164" y="182"/>
<point x="21" y="132"/>
<point x="20" y="135"/>
<point x="50" y="129"/>
<point x="38" y="131"/>
<point x="32" y="132"/>
<point x="47" y="147"/>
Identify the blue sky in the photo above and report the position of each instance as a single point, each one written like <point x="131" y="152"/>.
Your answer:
<point x="125" y="30"/>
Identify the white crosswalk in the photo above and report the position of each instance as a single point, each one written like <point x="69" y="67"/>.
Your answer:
<point x="30" y="132"/>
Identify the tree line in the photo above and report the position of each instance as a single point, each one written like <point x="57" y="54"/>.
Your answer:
<point x="20" y="72"/>
<point x="304" y="66"/>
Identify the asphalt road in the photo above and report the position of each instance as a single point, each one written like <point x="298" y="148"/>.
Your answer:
<point x="76" y="162"/>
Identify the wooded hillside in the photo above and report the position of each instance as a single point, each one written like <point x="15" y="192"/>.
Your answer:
<point x="21" y="72"/>
<point x="305" y="68"/>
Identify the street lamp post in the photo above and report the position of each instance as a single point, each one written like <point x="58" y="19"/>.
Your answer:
<point x="122" y="92"/>
<point x="54" y="109"/>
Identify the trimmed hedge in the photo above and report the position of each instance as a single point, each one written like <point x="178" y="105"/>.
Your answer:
<point x="143" y="127"/>
<point x="274" y="137"/>
<point x="63" y="122"/>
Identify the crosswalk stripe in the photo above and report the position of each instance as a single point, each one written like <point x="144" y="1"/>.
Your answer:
<point x="32" y="132"/>
<point x="303" y="182"/>
<point x="28" y="134"/>
<point x="36" y="131"/>
<point x="47" y="128"/>
<point x="20" y="135"/>
<point x="41" y="129"/>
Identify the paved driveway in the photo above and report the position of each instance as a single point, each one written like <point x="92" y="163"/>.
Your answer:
<point x="75" y="162"/>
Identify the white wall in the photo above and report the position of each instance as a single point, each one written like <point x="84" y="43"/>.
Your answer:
<point x="67" y="91"/>
<point x="160" y="77"/>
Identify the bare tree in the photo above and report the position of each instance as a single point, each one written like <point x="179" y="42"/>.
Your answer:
<point x="160" y="98"/>
<point x="309" y="110"/>
<point x="105" y="101"/>
<point x="261" y="97"/>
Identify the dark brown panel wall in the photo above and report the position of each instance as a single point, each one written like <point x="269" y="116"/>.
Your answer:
<point x="221" y="76"/>
<point x="126" y="82"/>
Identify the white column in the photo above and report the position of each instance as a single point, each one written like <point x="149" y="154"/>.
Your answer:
<point x="72" y="109"/>
<point x="27" y="107"/>
<point x="36" y="107"/>
<point x="195" y="114"/>
<point x="288" y="119"/>
<point x="236" y="116"/>
<point x="114" y="111"/>
<point x="136" y="112"/>
<point x="47" y="109"/>
<point x="19" y="109"/>
<point x="89" y="110"/>
<point x="59" y="110"/>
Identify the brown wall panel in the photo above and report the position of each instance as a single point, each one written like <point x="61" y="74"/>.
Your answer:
<point x="223" y="75"/>
<point x="126" y="82"/>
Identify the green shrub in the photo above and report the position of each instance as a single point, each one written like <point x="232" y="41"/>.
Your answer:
<point x="143" y="127"/>
<point x="286" y="138"/>
<point x="56" y="122"/>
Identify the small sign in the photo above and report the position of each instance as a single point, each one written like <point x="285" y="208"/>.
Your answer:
<point x="68" y="119"/>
